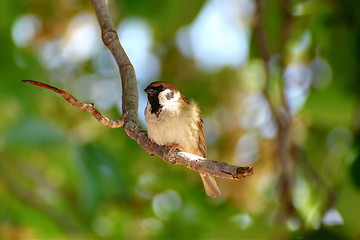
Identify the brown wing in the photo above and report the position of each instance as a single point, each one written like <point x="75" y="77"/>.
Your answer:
<point x="210" y="185"/>
<point x="199" y="126"/>
<point x="202" y="142"/>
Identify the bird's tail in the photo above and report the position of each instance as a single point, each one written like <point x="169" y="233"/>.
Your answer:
<point x="210" y="185"/>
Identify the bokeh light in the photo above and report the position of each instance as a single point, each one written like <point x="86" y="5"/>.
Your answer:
<point x="25" y="28"/>
<point x="293" y="117"/>
<point x="219" y="35"/>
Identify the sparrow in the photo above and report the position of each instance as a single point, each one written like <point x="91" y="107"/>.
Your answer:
<point x="172" y="119"/>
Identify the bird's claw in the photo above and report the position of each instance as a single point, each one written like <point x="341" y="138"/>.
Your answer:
<point x="173" y="147"/>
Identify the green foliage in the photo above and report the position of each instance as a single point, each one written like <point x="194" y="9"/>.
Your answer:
<point x="64" y="175"/>
<point x="354" y="168"/>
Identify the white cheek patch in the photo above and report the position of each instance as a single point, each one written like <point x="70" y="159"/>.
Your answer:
<point x="168" y="98"/>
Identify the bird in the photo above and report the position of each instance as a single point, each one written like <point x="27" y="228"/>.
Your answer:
<point x="171" y="119"/>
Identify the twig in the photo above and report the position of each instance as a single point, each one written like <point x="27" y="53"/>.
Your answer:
<point x="263" y="45"/>
<point x="88" y="107"/>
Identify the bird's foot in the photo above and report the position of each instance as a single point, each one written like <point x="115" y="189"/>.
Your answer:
<point x="172" y="148"/>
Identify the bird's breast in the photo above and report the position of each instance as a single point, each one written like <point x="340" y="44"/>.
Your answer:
<point x="171" y="127"/>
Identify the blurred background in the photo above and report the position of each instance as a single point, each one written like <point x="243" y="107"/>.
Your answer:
<point x="278" y="85"/>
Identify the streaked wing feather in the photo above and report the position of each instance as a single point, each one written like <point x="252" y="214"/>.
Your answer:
<point x="199" y="126"/>
<point x="201" y="136"/>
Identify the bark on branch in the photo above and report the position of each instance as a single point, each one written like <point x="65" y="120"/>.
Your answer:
<point x="127" y="72"/>
<point x="129" y="120"/>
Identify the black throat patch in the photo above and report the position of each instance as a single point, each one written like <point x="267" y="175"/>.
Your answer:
<point x="154" y="103"/>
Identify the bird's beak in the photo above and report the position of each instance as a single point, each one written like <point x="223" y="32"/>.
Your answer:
<point x="150" y="91"/>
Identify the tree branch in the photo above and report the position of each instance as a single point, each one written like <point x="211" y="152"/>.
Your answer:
<point x="127" y="72"/>
<point x="282" y="118"/>
<point x="169" y="155"/>
<point x="130" y="106"/>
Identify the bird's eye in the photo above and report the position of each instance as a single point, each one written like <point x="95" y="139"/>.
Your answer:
<point x="169" y="95"/>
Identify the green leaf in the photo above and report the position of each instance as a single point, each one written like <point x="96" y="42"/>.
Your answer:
<point x="323" y="233"/>
<point x="99" y="177"/>
<point x="354" y="172"/>
<point x="33" y="133"/>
